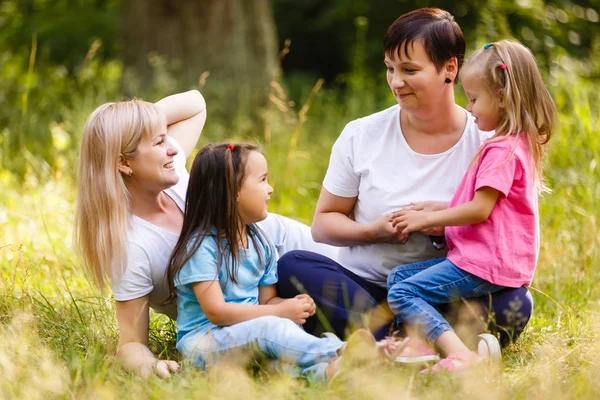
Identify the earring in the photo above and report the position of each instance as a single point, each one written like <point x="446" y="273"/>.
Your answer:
<point x="130" y="174"/>
<point x="448" y="80"/>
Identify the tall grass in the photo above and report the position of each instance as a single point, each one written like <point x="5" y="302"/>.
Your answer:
<point x="58" y="337"/>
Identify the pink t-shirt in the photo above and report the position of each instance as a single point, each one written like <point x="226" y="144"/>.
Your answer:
<point x="503" y="249"/>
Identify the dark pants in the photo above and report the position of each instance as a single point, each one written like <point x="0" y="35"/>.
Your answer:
<point x="343" y="298"/>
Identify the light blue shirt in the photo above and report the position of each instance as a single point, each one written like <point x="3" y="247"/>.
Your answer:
<point x="202" y="266"/>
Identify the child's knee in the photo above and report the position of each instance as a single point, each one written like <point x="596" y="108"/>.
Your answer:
<point x="391" y="279"/>
<point x="398" y="293"/>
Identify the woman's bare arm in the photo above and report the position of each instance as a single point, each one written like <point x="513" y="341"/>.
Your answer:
<point x="186" y="115"/>
<point x="133" y="351"/>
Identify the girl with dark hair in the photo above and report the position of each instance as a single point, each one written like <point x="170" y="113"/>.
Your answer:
<point x="223" y="270"/>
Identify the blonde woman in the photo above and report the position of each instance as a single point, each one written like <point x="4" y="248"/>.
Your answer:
<point x="130" y="202"/>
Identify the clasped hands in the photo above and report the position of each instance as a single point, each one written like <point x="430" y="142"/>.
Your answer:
<point x="395" y="227"/>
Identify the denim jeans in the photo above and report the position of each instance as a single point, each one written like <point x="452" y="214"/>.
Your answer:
<point x="278" y="338"/>
<point x="413" y="289"/>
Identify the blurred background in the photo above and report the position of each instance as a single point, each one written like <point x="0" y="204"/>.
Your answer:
<point x="59" y="59"/>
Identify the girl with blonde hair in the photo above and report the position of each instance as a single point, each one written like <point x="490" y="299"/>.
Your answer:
<point x="130" y="204"/>
<point x="492" y="221"/>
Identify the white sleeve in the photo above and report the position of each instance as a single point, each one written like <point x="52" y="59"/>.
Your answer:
<point x="136" y="281"/>
<point x="341" y="179"/>
<point x="287" y="234"/>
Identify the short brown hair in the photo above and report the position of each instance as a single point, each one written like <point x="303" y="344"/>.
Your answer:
<point x="436" y="29"/>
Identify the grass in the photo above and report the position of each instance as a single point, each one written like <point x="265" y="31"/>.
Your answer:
<point x="58" y="335"/>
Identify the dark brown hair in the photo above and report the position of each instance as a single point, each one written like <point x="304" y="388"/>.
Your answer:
<point x="435" y="29"/>
<point x="216" y="177"/>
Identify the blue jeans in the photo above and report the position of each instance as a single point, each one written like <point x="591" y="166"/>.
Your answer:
<point x="344" y="298"/>
<point x="278" y="338"/>
<point x="413" y="289"/>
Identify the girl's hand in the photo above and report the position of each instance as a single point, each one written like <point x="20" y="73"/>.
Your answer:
<point x="296" y="309"/>
<point x="429" y="206"/>
<point x="410" y="221"/>
<point x="313" y="307"/>
<point x="383" y="231"/>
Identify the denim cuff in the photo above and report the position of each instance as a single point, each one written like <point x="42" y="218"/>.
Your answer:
<point x="434" y="334"/>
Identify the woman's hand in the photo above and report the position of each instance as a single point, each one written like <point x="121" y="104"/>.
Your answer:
<point x="297" y="309"/>
<point x="383" y="231"/>
<point x="163" y="368"/>
<point x="133" y="352"/>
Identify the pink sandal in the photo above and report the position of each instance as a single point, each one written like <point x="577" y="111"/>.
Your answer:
<point x="391" y="347"/>
<point x="456" y="362"/>
<point x="414" y="352"/>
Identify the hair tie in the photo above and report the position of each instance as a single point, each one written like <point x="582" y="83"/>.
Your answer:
<point x="487" y="46"/>
<point x="504" y="67"/>
<point x="230" y="147"/>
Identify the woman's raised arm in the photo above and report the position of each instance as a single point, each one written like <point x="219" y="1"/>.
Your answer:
<point x="186" y="115"/>
<point x="133" y="351"/>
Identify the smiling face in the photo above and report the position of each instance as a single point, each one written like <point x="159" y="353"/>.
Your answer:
<point x="413" y="78"/>
<point x="255" y="191"/>
<point x="152" y="167"/>
<point x="482" y="105"/>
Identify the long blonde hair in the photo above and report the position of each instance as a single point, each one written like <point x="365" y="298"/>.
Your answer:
<point x="511" y="75"/>
<point x="103" y="207"/>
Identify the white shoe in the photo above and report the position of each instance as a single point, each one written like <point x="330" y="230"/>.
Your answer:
<point x="488" y="348"/>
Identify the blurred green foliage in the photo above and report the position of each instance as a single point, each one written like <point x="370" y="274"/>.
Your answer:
<point x="323" y="33"/>
<point x="56" y="57"/>
<point x="59" y="59"/>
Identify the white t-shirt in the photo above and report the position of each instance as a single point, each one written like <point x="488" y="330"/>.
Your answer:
<point x="372" y="161"/>
<point x="149" y="248"/>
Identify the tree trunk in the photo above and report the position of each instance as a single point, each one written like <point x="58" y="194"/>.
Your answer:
<point x="234" y="41"/>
